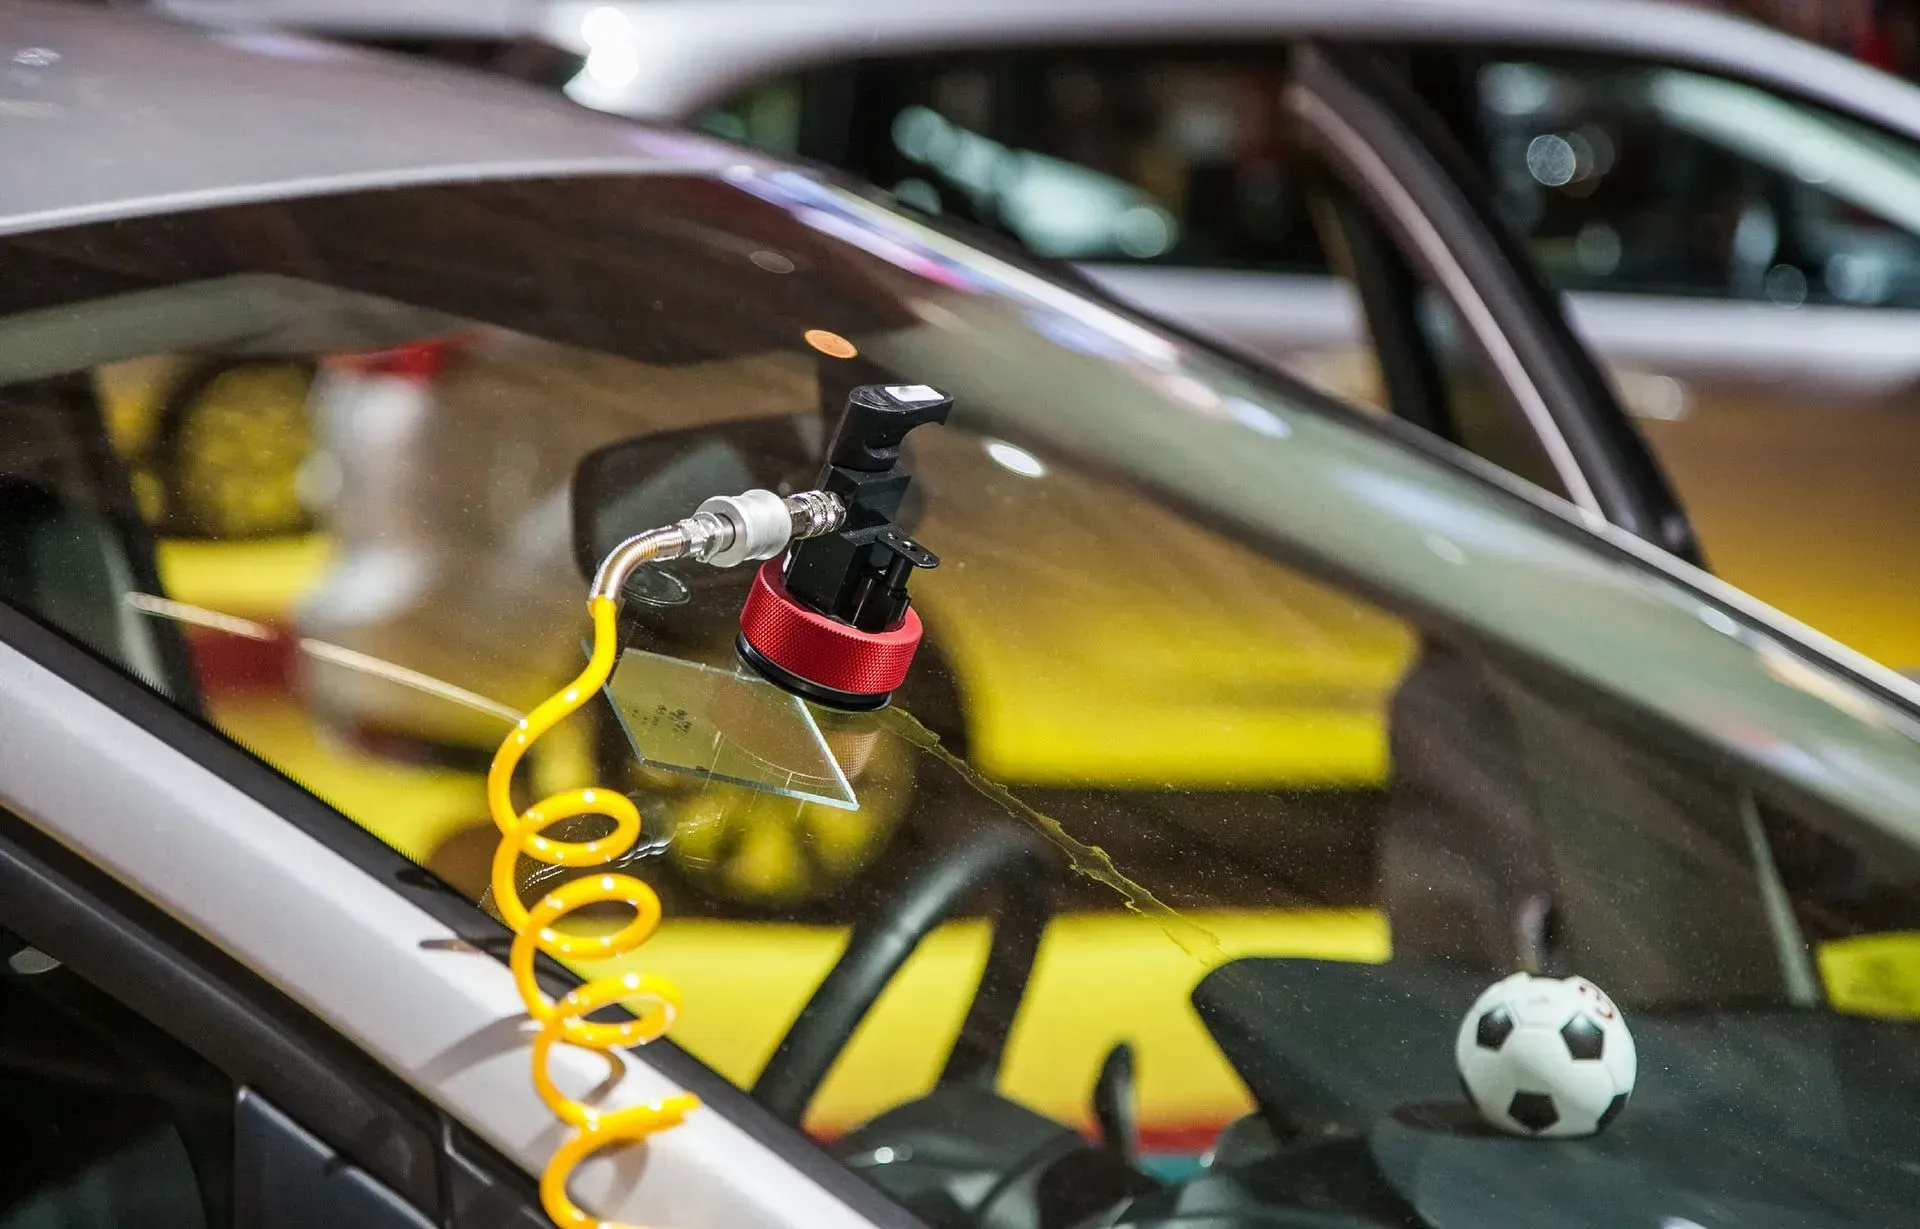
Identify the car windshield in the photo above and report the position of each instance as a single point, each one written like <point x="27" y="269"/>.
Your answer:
<point x="1245" y="750"/>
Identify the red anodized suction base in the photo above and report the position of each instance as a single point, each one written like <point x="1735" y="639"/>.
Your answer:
<point x="820" y="658"/>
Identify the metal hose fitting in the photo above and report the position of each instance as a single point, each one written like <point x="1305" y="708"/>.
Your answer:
<point x="727" y="530"/>
<point x="815" y="513"/>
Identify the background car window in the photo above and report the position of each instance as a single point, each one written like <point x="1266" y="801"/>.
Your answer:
<point x="1213" y="748"/>
<point x="1080" y="156"/>
<point x="1181" y="160"/>
<point x="109" y="1121"/>
<point x="768" y="116"/>
<point x="1746" y="264"/>
<point x="1660" y="180"/>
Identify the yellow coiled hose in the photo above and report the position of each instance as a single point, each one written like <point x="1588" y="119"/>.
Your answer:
<point x="534" y="931"/>
<point x="725" y="531"/>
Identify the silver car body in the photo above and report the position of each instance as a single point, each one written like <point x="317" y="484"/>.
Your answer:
<point x="119" y="120"/>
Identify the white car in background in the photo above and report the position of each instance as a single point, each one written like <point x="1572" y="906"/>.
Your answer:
<point x="1731" y="211"/>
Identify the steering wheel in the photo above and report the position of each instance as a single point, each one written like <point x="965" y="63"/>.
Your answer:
<point x="1023" y="869"/>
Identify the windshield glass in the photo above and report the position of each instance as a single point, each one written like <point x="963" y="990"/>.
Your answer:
<point x="1267" y="746"/>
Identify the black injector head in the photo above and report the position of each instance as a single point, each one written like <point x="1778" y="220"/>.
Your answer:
<point x="859" y="575"/>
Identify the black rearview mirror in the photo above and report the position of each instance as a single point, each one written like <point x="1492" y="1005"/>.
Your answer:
<point x="652" y="480"/>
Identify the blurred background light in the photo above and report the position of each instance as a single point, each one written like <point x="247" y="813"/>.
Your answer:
<point x="1017" y="460"/>
<point x="612" y="59"/>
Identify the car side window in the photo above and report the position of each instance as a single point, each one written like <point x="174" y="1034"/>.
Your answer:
<point x="110" y="1122"/>
<point x="767" y="116"/>
<point x="1650" y="179"/>
<point x="1164" y="158"/>
<point x="1746" y="266"/>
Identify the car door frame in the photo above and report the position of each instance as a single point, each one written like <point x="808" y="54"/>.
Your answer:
<point x="314" y="1116"/>
<point x="1387" y="147"/>
<point x="284" y="1065"/>
<point x="341" y="1063"/>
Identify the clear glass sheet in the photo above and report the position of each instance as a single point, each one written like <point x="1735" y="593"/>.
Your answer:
<point x="724" y="725"/>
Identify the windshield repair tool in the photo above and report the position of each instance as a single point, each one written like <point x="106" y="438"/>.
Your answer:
<point x="724" y="531"/>
<point x="832" y="622"/>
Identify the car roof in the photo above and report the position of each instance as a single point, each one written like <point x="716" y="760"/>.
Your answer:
<point x="107" y="114"/>
<point x="691" y="53"/>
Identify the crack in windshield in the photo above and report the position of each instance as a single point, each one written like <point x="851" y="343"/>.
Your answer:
<point x="1089" y="860"/>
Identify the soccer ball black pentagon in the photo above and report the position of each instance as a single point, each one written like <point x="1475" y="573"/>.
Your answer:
<point x="1546" y="1057"/>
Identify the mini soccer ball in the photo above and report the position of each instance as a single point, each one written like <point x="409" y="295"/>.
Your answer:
<point x="1546" y="1057"/>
